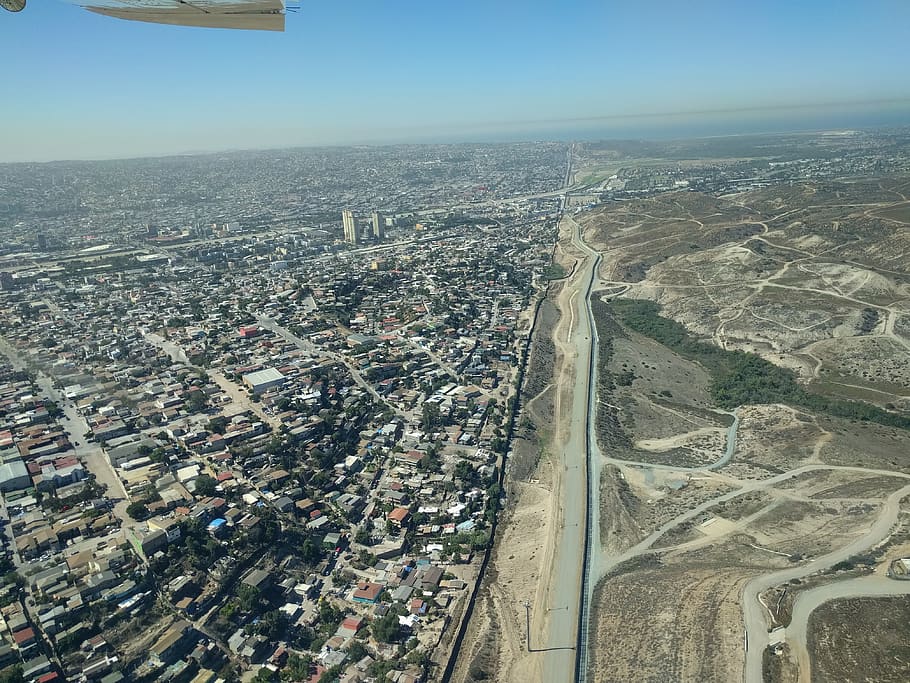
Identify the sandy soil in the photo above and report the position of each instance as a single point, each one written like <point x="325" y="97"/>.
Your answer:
<point x="860" y="640"/>
<point x="495" y="648"/>
<point x="677" y="619"/>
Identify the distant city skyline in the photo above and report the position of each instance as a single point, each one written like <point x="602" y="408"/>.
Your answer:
<point x="85" y="86"/>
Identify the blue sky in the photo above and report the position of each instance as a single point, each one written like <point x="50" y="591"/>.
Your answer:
<point x="77" y="85"/>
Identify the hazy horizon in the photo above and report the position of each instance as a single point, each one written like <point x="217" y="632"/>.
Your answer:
<point x="86" y="86"/>
<point x="645" y="127"/>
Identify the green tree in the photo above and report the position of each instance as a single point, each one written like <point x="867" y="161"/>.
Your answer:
<point x="205" y="485"/>
<point x="362" y="536"/>
<point x="137" y="511"/>
<point x="419" y="657"/>
<point x="298" y="668"/>
<point x="465" y="471"/>
<point x="265" y="676"/>
<point x="430" y="416"/>
<point x="385" y="629"/>
<point x="247" y="597"/>
<point x="357" y="651"/>
<point x="12" y="674"/>
<point x="272" y="625"/>
<point x="53" y="409"/>
<point x="196" y="401"/>
<point x="310" y="551"/>
<point x="329" y="614"/>
<point x="217" y="425"/>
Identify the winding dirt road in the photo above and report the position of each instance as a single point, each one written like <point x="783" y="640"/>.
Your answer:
<point x="755" y="615"/>
<point x="808" y="602"/>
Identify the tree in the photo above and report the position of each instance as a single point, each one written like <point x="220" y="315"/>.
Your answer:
<point x="298" y="668"/>
<point x="329" y="614"/>
<point x="196" y="401"/>
<point x="247" y="597"/>
<point x="332" y="675"/>
<point x="385" y="629"/>
<point x="465" y="471"/>
<point x="12" y="674"/>
<point x="137" y="511"/>
<point x="205" y="485"/>
<point x="217" y="425"/>
<point x="363" y="536"/>
<point x="265" y="675"/>
<point x="430" y="418"/>
<point x="310" y="552"/>
<point x="53" y="409"/>
<point x="357" y="651"/>
<point x="272" y="625"/>
<point x="419" y="657"/>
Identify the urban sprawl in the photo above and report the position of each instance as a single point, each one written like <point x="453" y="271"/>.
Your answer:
<point x="255" y="408"/>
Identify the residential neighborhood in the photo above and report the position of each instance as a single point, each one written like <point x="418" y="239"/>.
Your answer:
<point x="261" y="450"/>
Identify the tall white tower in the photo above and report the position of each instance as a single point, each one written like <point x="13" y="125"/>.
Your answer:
<point x="378" y="225"/>
<point x="351" y="234"/>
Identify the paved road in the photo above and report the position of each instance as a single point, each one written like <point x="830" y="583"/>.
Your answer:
<point x="309" y="347"/>
<point x="177" y="354"/>
<point x="240" y="400"/>
<point x="89" y="453"/>
<point x="754" y="614"/>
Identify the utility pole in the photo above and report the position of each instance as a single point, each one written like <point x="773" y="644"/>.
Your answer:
<point x="527" y="605"/>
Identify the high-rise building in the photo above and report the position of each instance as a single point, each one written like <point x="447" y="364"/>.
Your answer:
<point x="378" y="225"/>
<point x="351" y="234"/>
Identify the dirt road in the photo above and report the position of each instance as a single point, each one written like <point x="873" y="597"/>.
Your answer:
<point x="754" y="614"/>
<point x="807" y="602"/>
<point x="571" y="443"/>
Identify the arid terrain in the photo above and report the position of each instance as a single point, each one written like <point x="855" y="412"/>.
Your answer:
<point x="852" y="637"/>
<point x="730" y="481"/>
<point x="749" y="423"/>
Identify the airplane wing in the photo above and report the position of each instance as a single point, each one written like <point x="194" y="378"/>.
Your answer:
<point x="260" y="15"/>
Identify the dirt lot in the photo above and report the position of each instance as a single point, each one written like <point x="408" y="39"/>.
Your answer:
<point x="811" y="278"/>
<point x="744" y="505"/>
<point x="774" y="439"/>
<point x="668" y="626"/>
<point x="822" y="484"/>
<point x="810" y="529"/>
<point x="539" y="393"/>
<point x="680" y="621"/>
<point x="662" y="496"/>
<point x="620" y="508"/>
<point x="861" y="444"/>
<point x="861" y="640"/>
